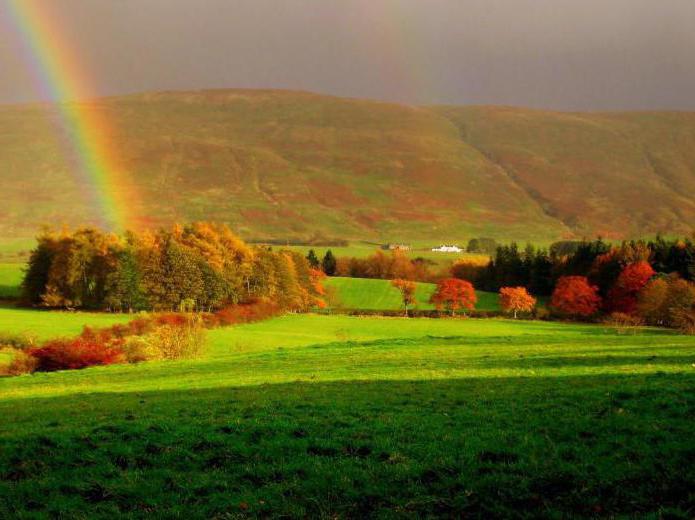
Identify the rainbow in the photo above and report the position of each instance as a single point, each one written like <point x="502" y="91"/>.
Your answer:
<point x="59" y="75"/>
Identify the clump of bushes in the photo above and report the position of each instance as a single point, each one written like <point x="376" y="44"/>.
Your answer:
<point x="623" y="320"/>
<point x="684" y="320"/>
<point x="249" y="312"/>
<point x="179" y="339"/>
<point x="80" y="352"/>
<point x="180" y="342"/>
<point x="164" y="337"/>
<point x="20" y="362"/>
<point x="140" y="348"/>
<point x="167" y="336"/>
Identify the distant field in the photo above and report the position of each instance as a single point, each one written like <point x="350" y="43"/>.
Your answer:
<point x="10" y="279"/>
<point x="341" y="417"/>
<point x="360" y="250"/>
<point x="362" y="293"/>
<point x="15" y="250"/>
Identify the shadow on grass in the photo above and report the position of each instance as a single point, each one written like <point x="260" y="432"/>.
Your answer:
<point x="570" y="446"/>
<point x="9" y="292"/>
<point x="587" y="361"/>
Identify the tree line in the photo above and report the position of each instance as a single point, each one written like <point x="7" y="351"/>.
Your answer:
<point x="197" y="267"/>
<point x="600" y="262"/>
<point x="631" y="282"/>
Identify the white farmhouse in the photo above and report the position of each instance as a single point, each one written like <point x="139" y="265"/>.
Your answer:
<point x="447" y="249"/>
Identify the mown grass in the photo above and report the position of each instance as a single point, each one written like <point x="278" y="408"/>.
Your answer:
<point x="335" y="416"/>
<point x="368" y="294"/>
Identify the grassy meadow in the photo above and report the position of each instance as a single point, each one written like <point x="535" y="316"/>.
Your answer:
<point x="10" y="279"/>
<point x="336" y="416"/>
<point x="43" y="325"/>
<point x="368" y="294"/>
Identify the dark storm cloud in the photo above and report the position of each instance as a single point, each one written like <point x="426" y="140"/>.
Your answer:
<point x="570" y="54"/>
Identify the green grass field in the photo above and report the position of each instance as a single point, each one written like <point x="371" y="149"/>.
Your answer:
<point x="43" y="325"/>
<point x="10" y="279"/>
<point x="367" y="294"/>
<point x="336" y="416"/>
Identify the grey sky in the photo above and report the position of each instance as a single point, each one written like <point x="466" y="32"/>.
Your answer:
<point x="567" y="54"/>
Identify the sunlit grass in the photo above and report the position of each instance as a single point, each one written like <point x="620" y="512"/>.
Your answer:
<point x="338" y="416"/>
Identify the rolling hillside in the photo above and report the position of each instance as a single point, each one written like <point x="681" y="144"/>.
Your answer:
<point x="292" y="165"/>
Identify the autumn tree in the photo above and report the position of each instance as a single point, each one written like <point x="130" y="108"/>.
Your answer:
<point x="123" y="285"/>
<point x="407" y="289"/>
<point x="575" y="296"/>
<point x="290" y="294"/>
<point x="318" y="291"/>
<point x="453" y="294"/>
<point x="622" y="297"/>
<point x="38" y="268"/>
<point x="516" y="299"/>
<point x="667" y="301"/>
<point x="182" y="279"/>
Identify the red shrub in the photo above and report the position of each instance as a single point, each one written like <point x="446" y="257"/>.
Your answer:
<point x="139" y="326"/>
<point x="623" y="295"/>
<point x="173" y="319"/>
<point x="247" y="312"/>
<point x="103" y="336"/>
<point x="65" y="354"/>
<point x="573" y="295"/>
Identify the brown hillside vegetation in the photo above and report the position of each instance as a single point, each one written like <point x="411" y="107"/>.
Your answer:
<point x="280" y="164"/>
<point x="613" y="174"/>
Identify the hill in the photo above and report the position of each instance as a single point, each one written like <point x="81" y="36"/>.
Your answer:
<point x="281" y="164"/>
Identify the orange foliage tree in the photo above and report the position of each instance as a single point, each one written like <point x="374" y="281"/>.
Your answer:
<point x="454" y="294"/>
<point x="317" y="276"/>
<point x="516" y="299"/>
<point x="407" y="290"/>
<point x="575" y="296"/>
<point x="623" y="295"/>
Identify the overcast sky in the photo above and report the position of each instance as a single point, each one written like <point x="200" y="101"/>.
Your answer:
<point x="565" y="54"/>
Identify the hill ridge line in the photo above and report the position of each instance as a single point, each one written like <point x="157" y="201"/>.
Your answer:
<point x="530" y="193"/>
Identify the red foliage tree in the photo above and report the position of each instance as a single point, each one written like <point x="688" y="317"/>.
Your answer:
<point x="516" y="299"/>
<point x="575" y="296"/>
<point x="454" y="294"/>
<point x="623" y="295"/>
